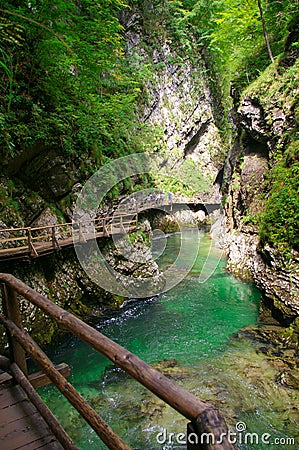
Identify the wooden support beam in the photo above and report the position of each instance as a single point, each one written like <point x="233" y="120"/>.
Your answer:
<point x="54" y="238"/>
<point x="39" y="379"/>
<point x="82" y="239"/>
<point x="31" y="249"/>
<point x="105" y="231"/>
<point x="12" y="311"/>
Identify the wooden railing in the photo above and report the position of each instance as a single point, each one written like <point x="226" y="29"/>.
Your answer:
<point x="207" y="423"/>
<point x="34" y="241"/>
<point x="31" y="242"/>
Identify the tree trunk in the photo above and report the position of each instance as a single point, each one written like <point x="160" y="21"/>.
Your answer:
<point x="265" y="31"/>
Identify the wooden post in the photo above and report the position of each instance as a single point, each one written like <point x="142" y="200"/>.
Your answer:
<point x="105" y="231"/>
<point x="32" y="251"/>
<point x="208" y="432"/>
<point x="54" y="239"/>
<point x="11" y="310"/>
<point x="81" y="236"/>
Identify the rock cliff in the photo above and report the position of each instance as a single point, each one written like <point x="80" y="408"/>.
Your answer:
<point x="267" y="119"/>
<point x="177" y="104"/>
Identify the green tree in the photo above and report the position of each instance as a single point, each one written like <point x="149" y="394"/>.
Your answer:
<point x="66" y="83"/>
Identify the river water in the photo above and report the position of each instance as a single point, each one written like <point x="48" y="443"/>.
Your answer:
<point x="190" y="333"/>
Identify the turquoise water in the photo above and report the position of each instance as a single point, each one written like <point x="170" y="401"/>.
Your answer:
<point x="191" y="324"/>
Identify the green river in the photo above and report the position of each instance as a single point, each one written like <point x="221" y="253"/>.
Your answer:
<point x="191" y="333"/>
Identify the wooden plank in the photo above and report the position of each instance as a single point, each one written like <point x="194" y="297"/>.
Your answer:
<point x="21" y="427"/>
<point x="11" y="396"/>
<point x="43" y="444"/>
<point x="4" y="377"/>
<point x="43" y="409"/>
<point x="24" y="431"/>
<point x="17" y="411"/>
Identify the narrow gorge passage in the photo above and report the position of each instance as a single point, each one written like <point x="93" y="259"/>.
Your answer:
<point x="190" y="334"/>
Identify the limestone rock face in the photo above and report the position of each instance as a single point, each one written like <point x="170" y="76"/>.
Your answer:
<point x="178" y="101"/>
<point x="265" y="124"/>
<point x="278" y="278"/>
<point x="169" y="223"/>
<point x="252" y="117"/>
<point x="135" y="267"/>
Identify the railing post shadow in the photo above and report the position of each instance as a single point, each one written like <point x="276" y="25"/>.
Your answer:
<point x="11" y="310"/>
<point x="122" y="228"/>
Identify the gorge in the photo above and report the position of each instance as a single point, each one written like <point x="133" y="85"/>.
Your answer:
<point x="191" y="85"/>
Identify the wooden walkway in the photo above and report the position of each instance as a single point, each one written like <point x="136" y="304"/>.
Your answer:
<point x="21" y="425"/>
<point x="25" y="243"/>
<point x="32" y="242"/>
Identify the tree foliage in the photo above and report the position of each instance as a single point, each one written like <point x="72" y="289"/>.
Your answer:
<point x="64" y="80"/>
<point x="232" y="30"/>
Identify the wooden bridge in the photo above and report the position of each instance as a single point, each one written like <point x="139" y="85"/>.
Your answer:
<point x="27" y="423"/>
<point x="32" y="242"/>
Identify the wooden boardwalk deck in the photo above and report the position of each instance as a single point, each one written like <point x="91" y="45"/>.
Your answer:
<point x="21" y="425"/>
<point x="43" y="248"/>
<point x="32" y="242"/>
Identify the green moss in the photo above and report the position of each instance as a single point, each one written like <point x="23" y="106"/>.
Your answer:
<point x="276" y="85"/>
<point x="279" y="221"/>
<point x="139" y="236"/>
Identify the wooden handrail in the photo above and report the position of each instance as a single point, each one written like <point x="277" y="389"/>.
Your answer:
<point x="204" y="417"/>
<point x="62" y="230"/>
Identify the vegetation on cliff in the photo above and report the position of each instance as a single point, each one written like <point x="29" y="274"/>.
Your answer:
<point x="65" y="81"/>
<point x="71" y="92"/>
<point x="68" y="101"/>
